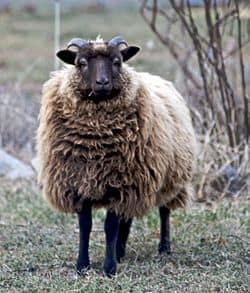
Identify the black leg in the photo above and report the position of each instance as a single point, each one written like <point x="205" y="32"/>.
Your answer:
<point x="111" y="230"/>
<point x="85" y="225"/>
<point x="164" y="245"/>
<point x="124" y="228"/>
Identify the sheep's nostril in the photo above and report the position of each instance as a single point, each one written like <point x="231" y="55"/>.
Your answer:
<point x="102" y="81"/>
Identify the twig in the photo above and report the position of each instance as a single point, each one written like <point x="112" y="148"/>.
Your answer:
<point x="170" y="44"/>
<point x="27" y="117"/>
<point x="243" y="81"/>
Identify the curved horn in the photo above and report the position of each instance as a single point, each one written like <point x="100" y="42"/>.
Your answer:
<point x="116" y="41"/>
<point x="78" y="42"/>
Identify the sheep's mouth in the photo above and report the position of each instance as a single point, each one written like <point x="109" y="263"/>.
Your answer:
<point x="103" y="95"/>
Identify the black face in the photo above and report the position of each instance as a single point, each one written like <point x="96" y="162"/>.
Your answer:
<point x="100" y="69"/>
<point x="101" y="73"/>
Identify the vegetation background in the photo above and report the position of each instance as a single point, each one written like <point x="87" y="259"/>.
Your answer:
<point x="210" y="241"/>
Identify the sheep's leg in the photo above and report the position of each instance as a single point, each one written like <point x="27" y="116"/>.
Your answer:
<point x="124" y="229"/>
<point x="164" y="245"/>
<point x="85" y="225"/>
<point x="111" y="230"/>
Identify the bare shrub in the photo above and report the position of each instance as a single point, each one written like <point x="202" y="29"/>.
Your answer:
<point x="211" y="39"/>
<point x="18" y="122"/>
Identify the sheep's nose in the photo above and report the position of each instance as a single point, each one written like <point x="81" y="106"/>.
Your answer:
<point x="102" y="81"/>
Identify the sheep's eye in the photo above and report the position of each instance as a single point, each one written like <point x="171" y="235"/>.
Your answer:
<point x="116" y="62"/>
<point x="83" y="62"/>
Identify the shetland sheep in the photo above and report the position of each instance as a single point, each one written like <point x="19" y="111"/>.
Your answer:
<point x="115" y="138"/>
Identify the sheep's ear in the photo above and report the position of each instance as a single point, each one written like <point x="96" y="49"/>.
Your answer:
<point x="129" y="52"/>
<point x="67" y="56"/>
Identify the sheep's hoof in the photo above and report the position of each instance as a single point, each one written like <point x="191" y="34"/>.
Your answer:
<point x="110" y="269"/>
<point x="120" y="253"/>
<point x="120" y="258"/>
<point x="164" y="249"/>
<point x="82" y="268"/>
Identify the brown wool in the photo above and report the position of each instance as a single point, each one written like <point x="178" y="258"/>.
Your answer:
<point x="141" y="142"/>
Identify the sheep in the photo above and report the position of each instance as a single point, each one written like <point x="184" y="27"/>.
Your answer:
<point x="115" y="138"/>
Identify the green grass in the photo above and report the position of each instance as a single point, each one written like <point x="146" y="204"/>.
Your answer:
<point x="39" y="249"/>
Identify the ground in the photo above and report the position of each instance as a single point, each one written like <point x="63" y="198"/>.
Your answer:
<point x="210" y="249"/>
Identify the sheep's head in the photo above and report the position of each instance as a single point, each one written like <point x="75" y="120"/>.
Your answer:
<point x="99" y="63"/>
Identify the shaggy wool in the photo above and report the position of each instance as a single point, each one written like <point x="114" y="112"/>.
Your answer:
<point x="127" y="154"/>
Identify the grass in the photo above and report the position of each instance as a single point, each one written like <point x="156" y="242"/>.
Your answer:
<point x="39" y="249"/>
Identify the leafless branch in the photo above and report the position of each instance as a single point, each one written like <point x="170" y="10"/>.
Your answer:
<point x="210" y="53"/>
<point x="243" y="81"/>
<point x="219" y="97"/>
<point x="167" y="41"/>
